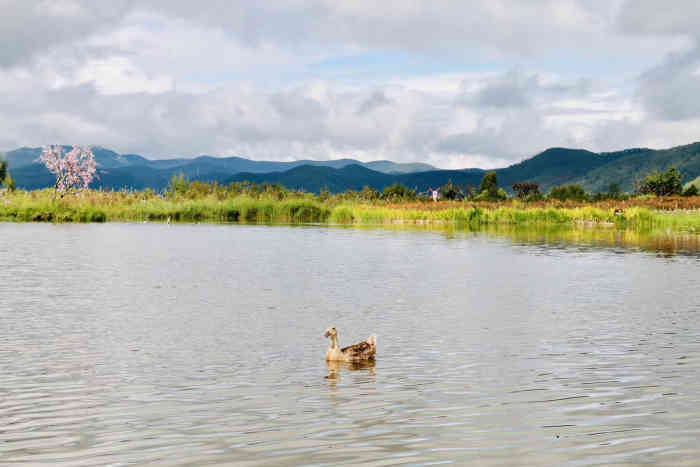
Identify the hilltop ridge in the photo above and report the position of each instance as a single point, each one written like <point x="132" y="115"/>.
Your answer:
<point x="552" y="167"/>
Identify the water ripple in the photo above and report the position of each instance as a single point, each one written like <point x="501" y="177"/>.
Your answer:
<point x="195" y="345"/>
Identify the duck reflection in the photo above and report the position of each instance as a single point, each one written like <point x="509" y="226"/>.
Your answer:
<point x="336" y="368"/>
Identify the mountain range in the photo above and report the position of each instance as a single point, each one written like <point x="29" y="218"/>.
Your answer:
<point x="552" y="167"/>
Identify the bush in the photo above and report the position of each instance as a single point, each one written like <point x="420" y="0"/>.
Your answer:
<point x="178" y="186"/>
<point x="527" y="191"/>
<point x="489" y="191"/>
<point x="10" y="182"/>
<point x="451" y="191"/>
<point x="498" y="195"/>
<point x="614" y="191"/>
<point x="662" y="184"/>
<point x="370" y="194"/>
<point x="398" y="192"/>
<point x="489" y="183"/>
<point x="692" y="190"/>
<point x="568" y="192"/>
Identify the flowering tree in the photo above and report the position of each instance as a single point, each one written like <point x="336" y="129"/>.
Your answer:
<point x="73" y="170"/>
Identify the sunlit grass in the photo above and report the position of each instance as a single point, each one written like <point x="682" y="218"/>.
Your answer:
<point x="99" y="206"/>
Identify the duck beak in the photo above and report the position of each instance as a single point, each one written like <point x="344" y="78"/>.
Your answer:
<point x="327" y="334"/>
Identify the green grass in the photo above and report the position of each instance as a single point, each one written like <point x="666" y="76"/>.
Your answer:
<point x="95" y="206"/>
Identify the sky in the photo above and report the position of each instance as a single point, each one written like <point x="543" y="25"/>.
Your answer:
<point x="454" y="83"/>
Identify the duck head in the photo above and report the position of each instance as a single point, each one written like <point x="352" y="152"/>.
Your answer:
<point x="330" y="332"/>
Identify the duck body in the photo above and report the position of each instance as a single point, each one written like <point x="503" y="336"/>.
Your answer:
<point x="363" y="351"/>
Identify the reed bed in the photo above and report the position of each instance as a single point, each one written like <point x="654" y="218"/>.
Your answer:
<point x="98" y="206"/>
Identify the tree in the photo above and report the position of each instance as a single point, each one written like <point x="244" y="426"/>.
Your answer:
<point x="489" y="183"/>
<point x="398" y="192"/>
<point x="692" y="190"/>
<point x="3" y="169"/>
<point x="489" y="191"/>
<point x="10" y="182"/>
<point x="566" y="192"/>
<point x="662" y="184"/>
<point x="370" y="194"/>
<point x="527" y="190"/>
<point x="451" y="191"/>
<point x="74" y="170"/>
<point x="613" y="190"/>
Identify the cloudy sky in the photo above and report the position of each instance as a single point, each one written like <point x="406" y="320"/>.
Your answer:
<point x="456" y="83"/>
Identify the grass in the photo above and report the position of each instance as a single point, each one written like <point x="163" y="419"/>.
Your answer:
<point x="99" y="206"/>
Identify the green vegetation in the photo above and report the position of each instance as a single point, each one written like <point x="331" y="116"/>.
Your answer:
<point x="114" y="206"/>
<point x="195" y="201"/>
<point x="568" y="192"/>
<point x="6" y="179"/>
<point x="3" y="168"/>
<point x="187" y="201"/>
<point x="595" y="173"/>
<point x="489" y="190"/>
<point x="527" y="191"/>
<point x="668" y="183"/>
<point x="695" y="182"/>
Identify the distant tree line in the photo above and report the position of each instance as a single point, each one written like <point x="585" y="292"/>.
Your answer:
<point x="5" y="178"/>
<point x="668" y="183"/>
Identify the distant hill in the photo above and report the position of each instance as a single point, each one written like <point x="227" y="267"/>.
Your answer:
<point x="315" y="178"/>
<point x="133" y="171"/>
<point x="553" y="167"/>
<point x="628" y="167"/>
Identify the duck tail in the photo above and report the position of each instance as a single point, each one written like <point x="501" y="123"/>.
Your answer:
<point x="372" y="340"/>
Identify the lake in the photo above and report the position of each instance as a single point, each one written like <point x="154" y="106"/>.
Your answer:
<point x="174" y="345"/>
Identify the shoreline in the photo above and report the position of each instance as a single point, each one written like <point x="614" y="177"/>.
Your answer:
<point x="677" y="215"/>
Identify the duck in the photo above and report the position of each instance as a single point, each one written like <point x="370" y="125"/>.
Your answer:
<point x="363" y="351"/>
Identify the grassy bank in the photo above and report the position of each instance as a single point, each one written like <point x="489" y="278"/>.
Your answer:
<point x="97" y="206"/>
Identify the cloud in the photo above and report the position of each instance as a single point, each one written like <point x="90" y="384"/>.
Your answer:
<point x="377" y="99"/>
<point x="644" y="17"/>
<point x="453" y="83"/>
<point x="31" y="27"/>
<point x="671" y="90"/>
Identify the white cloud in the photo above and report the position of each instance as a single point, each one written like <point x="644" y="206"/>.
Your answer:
<point x="165" y="78"/>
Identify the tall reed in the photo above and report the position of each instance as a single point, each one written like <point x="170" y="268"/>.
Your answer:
<point x="99" y="206"/>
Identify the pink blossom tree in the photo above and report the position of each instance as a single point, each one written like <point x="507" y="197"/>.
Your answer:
<point x="74" y="170"/>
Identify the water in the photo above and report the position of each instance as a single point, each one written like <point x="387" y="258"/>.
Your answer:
<point x="141" y="344"/>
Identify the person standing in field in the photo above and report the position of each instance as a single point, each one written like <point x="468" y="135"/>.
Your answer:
<point x="435" y="194"/>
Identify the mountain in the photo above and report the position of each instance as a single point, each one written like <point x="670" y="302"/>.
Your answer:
<point x="315" y="178"/>
<point x="133" y="171"/>
<point x="628" y="167"/>
<point x="398" y="168"/>
<point x="553" y="167"/>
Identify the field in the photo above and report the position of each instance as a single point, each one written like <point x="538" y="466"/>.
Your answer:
<point x="676" y="213"/>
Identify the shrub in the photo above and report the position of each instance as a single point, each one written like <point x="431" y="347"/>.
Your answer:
<point x="342" y="215"/>
<point x="489" y="191"/>
<point x="568" y="192"/>
<point x="489" y="183"/>
<point x="662" y="184"/>
<point x="692" y="190"/>
<point x="10" y="182"/>
<point x="498" y="195"/>
<point x="527" y="191"/>
<point x="397" y="192"/>
<point x="451" y="191"/>
<point x="178" y="186"/>
<point x="370" y="194"/>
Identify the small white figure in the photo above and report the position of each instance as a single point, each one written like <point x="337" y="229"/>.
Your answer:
<point x="435" y="194"/>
